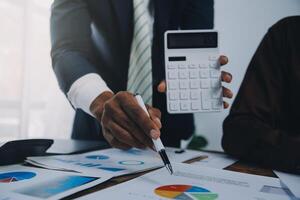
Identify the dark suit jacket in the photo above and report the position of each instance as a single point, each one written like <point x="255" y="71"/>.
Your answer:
<point x="263" y="124"/>
<point x="94" y="36"/>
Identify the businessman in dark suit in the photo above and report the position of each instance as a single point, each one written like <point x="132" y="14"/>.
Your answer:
<point x="105" y="50"/>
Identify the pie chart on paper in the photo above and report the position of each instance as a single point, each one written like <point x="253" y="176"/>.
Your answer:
<point x="185" y="192"/>
<point x="15" y="176"/>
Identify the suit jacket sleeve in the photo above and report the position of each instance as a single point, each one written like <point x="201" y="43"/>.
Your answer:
<point x="72" y="50"/>
<point x="252" y="130"/>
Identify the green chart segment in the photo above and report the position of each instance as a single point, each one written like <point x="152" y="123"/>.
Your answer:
<point x="185" y="192"/>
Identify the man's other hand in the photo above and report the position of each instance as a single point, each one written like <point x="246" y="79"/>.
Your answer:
<point x="225" y="76"/>
<point x="124" y="123"/>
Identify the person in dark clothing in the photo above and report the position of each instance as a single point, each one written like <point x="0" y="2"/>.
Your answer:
<point x="103" y="51"/>
<point x="264" y="121"/>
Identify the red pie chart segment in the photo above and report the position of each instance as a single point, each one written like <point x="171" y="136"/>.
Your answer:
<point x="185" y="192"/>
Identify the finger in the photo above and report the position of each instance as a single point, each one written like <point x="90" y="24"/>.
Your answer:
<point x="125" y="100"/>
<point x="226" y="77"/>
<point x="143" y="138"/>
<point x="124" y="136"/>
<point x="113" y="141"/>
<point x="96" y="106"/>
<point x="139" y="116"/>
<point x="227" y="93"/>
<point x="108" y="110"/>
<point x="225" y="104"/>
<point x="162" y="87"/>
<point x="223" y="60"/>
<point x="155" y="115"/>
<point x="117" y="144"/>
<point x="130" y="126"/>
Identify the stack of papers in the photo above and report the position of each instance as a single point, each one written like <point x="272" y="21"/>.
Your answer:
<point x="204" y="179"/>
<point x="191" y="182"/>
<point x="20" y="182"/>
<point x="113" y="162"/>
<point x="290" y="181"/>
<point x="215" y="160"/>
<point x="77" y="172"/>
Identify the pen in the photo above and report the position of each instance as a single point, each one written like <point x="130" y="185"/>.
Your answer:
<point x="157" y="143"/>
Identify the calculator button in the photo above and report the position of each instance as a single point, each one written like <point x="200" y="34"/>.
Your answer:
<point x="204" y="73"/>
<point x="203" y="65"/>
<point x="174" y="106"/>
<point x="217" y="93"/>
<point x="173" y="95"/>
<point x="213" y="58"/>
<point x="183" y="74"/>
<point x="183" y="84"/>
<point x="192" y="66"/>
<point x="171" y="66"/>
<point x="217" y="104"/>
<point x="214" y="73"/>
<point x="194" y="73"/>
<point x="205" y="84"/>
<point x="215" y="83"/>
<point x="184" y="105"/>
<point x="206" y="104"/>
<point x="195" y="94"/>
<point x="213" y="65"/>
<point x="182" y="66"/>
<point x="194" y="84"/>
<point x="173" y="85"/>
<point x="172" y="74"/>
<point x="196" y="105"/>
<point x="184" y="95"/>
<point x="205" y="97"/>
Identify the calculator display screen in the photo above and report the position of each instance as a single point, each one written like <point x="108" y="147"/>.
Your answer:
<point x="192" y="40"/>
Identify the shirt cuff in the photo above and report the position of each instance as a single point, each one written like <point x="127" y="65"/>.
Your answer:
<point x="85" y="90"/>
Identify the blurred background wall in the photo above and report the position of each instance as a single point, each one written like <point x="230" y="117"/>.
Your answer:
<point x="31" y="104"/>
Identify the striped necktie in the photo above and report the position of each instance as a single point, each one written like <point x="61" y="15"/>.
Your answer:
<point x="140" y="65"/>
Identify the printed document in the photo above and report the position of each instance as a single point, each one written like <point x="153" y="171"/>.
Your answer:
<point x="191" y="182"/>
<point x="114" y="162"/>
<point x="292" y="181"/>
<point x="20" y="182"/>
<point x="215" y="160"/>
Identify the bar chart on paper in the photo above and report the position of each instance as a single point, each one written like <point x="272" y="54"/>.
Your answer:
<point x="185" y="192"/>
<point x="97" y="157"/>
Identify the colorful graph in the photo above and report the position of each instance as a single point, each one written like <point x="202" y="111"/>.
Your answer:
<point x="97" y="157"/>
<point x="185" y="192"/>
<point x="131" y="162"/>
<point x="55" y="186"/>
<point x="16" y="176"/>
<point x="111" y="169"/>
<point x="134" y="151"/>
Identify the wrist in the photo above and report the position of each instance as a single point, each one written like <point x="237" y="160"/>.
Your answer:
<point x="97" y="106"/>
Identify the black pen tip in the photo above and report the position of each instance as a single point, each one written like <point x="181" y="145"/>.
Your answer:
<point x="170" y="169"/>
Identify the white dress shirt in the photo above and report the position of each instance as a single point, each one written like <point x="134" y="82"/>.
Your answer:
<point x="85" y="89"/>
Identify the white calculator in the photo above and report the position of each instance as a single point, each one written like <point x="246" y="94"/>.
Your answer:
<point x="193" y="73"/>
